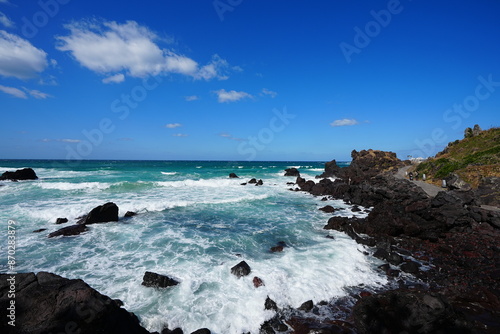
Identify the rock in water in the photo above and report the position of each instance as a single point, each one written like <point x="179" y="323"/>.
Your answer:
<point x="233" y="176"/>
<point x="20" y="174"/>
<point x="61" y="220"/>
<point x="69" y="230"/>
<point x="102" y="214"/>
<point x="61" y="305"/>
<point x="129" y="214"/>
<point x="158" y="281"/>
<point x="292" y="172"/>
<point x="241" y="269"/>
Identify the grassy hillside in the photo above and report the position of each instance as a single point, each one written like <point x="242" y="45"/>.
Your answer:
<point x="471" y="158"/>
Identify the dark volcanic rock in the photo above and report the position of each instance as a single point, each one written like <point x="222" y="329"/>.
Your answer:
<point x="407" y="311"/>
<point x="233" y="176"/>
<point x="292" y="172"/>
<point x="241" y="269"/>
<point x="20" y="174"/>
<point x="61" y="220"/>
<point x="259" y="183"/>
<point x="328" y="209"/>
<point x="40" y="230"/>
<point x="257" y="282"/>
<point x="69" y="231"/>
<point x="488" y="191"/>
<point x="270" y="304"/>
<point x="252" y="181"/>
<point x="307" y="306"/>
<point x="130" y="214"/>
<point x="47" y="303"/>
<point x="331" y="169"/>
<point x="202" y="331"/>
<point x="157" y="281"/>
<point x="102" y="214"/>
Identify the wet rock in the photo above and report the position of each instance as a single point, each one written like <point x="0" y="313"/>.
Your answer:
<point x="20" y="174"/>
<point x="328" y="209"/>
<point x="307" y="306"/>
<point x="154" y="280"/>
<point x="69" y="231"/>
<point x="61" y="220"/>
<point x="402" y="311"/>
<point x="233" y="176"/>
<point x="331" y="169"/>
<point x="241" y="269"/>
<point x="173" y="331"/>
<point x="257" y="282"/>
<point x="355" y="208"/>
<point x="292" y="172"/>
<point x="130" y="214"/>
<point x="277" y="249"/>
<point x="39" y="230"/>
<point x="102" y="214"/>
<point x="410" y="267"/>
<point x="259" y="183"/>
<point x="270" y="304"/>
<point x="61" y="305"/>
<point x="252" y="181"/>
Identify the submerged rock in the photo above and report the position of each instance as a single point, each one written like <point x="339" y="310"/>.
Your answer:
<point x="130" y="214"/>
<point x="48" y="303"/>
<point x="69" y="231"/>
<point x="61" y="220"/>
<point x="151" y="279"/>
<point x="241" y="269"/>
<point x="20" y="174"/>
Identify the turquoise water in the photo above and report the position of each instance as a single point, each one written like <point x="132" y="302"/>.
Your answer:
<point x="194" y="224"/>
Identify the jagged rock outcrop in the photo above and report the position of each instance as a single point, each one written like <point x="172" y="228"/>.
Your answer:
<point x="48" y="303"/>
<point x="292" y="172"/>
<point x="331" y="170"/>
<point x="101" y="214"/>
<point x="20" y="174"/>
<point x="69" y="231"/>
<point x="155" y="280"/>
<point x="241" y="269"/>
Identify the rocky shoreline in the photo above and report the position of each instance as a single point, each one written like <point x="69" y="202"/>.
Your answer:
<point x="451" y="234"/>
<point x="448" y="243"/>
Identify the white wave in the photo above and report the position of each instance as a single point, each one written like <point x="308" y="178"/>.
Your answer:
<point x="169" y="173"/>
<point x="210" y="183"/>
<point x="73" y="186"/>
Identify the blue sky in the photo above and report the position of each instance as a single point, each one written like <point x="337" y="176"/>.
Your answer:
<point x="244" y="80"/>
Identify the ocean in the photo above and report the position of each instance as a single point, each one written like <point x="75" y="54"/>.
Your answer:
<point x="194" y="223"/>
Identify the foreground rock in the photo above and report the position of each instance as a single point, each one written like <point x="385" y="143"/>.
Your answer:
<point x="158" y="281"/>
<point x="403" y="311"/>
<point x="48" y="303"/>
<point x="20" y="174"/>
<point x="292" y="172"/>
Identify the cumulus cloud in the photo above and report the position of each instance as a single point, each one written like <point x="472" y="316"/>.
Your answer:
<point x="117" y="78"/>
<point x="5" y="21"/>
<point x="344" y="122"/>
<point x="19" y="58"/>
<point x="268" y="92"/>
<point x="231" y="96"/>
<point x="173" y="125"/>
<point x="14" y="92"/>
<point x="191" y="98"/>
<point x="110" y="47"/>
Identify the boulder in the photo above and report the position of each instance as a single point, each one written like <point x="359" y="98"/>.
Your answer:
<point x="292" y="172"/>
<point x="241" y="269"/>
<point x="69" y="231"/>
<point x="331" y="169"/>
<point x="20" y="174"/>
<point x="101" y="214"/>
<point x="328" y="209"/>
<point x="488" y="191"/>
<point x="257" y="282"/>
<point x="252" y="181"/>
<point x="270" y="304"/>
<point x="48" y="303"/>
<point x="454" y="182"/>
<point x="202" y="331"/>
<point x="61" y="220"/>
<point x="403" y="311"/>
<point x="233" y="176"/>
<point x="154" y="280"/>
<point x="259" y="183"/>
<point x="307" y="306"/>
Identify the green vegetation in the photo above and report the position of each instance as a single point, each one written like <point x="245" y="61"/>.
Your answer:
<point x="478" y="149"/>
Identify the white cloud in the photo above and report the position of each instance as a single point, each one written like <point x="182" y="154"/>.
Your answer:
<point x="117" y="78"/>
<point x="231" y="96"/>
<point x="37" y="94"/>
<point x="344" y="122"/>
<point x="230" y="136"/>
<point x="14" y="92"/>
<point x="173" y="125"/>
<point x="110" y="47"/>
<point x="266" y="91"/>
<point x="6" y="21"/>
<point x="191" y="98"/>
<point x="180" y="135"/>
<point x="19" y="58"/>
<point x="69" y="140"/>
